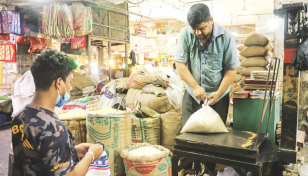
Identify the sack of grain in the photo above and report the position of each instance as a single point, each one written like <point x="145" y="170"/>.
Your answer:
<point x="240" y="48"/>
<point x="141" y="78"/>
<point x="171" y="125"/>
<point x="241" y="58"/>
<point x="112" y="129"/>
<point x="158" y="104"/>
<point x="81" y="81"/>
<point x="76" y="93"/>
<point x="254" y="51"/>
<point x="145" y="159"/>
<point x="74" y="114"/>
<point x="247" y="71"/>
<point x="78" y="129"/>
<point x="256" y="40"/>
<point x="81" y="103"/>
<point x="151" y="89"/>
<point x="146" y="130"/>
<point x="119" y="85"/>
<point x="255" y="62"/>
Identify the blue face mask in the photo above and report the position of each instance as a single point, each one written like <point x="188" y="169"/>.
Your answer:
<point x="60" y="101"/>
<point x="103" y="80"/>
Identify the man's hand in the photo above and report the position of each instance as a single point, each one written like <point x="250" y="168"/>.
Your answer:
<point x="199" y="93"/>
<point x="213" y="98"/>
<point x="82" y="149"/>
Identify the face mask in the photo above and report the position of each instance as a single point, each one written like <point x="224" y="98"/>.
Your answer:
<point x="103" y="80"/>
<point x="60" y="101"/>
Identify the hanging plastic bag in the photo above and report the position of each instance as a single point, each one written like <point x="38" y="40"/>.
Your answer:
<point x="100" y="166"/>
<point x="8" y="52"/>
<point x="37" y="44"/>
<point x="205" y="120"/>
<point x="82" y="19"/>
<point x="175" y="98"/>
<point x="6" y="21"/>
<point x="107" y="99"/>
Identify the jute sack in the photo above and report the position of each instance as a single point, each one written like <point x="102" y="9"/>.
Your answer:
<point x="247" y="71"/>
<point x="75" y="122"/>
<point x="238" y="78"/>
<point x="77" y="93"/>
<point x="151" y="89"/>
<point x="112" y="129"/>
<point x="240" y="48"/>
<point x="141" y="78"/>
<point x="241" y="58"/>
<point x="254" y="51"/>
<point x="146" y="130"/>
<point x="255" y="62"/>
<point x="148" y="164"/>
<point x="81" y="81"/>
<point x="119" y="85"/>
<point x="78" y="129"/>
<point x="171" y="125"/>
<point x="158" y="104"/>
<point x="256" y="40"/>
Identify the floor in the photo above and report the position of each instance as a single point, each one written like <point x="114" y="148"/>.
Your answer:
<point x="5" y="140"/>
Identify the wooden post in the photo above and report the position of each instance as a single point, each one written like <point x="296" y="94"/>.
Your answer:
<point x="109" y="55"/>
<point x="126" y="61"/>
<point x="89" y="53"/>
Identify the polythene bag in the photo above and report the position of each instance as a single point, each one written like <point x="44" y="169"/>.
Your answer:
<point x="100" y="167"/>
<point x="205" y="120"/>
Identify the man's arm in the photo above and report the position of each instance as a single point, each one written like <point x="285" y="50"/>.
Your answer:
<point x="199" y="92"/>
<point x="226" y="82"/>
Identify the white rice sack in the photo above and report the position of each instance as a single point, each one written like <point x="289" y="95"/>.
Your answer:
<point x="145" y="151"/>
<point x="74" y="114"/>
<point x="205" y="120"/>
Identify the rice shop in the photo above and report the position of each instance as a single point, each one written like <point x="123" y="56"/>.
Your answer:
<point x="153" y="88"/>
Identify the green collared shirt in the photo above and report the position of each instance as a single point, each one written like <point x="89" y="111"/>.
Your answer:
<point x="209" y="67"/>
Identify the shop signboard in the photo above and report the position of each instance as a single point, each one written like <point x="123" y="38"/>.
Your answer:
<point x="79" y="42"/>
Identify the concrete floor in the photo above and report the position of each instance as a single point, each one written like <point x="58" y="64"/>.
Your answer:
<point x="5" y="150"/>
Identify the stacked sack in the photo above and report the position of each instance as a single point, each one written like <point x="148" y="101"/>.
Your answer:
<point x="75" y="121"/>
<point x="81" y="85"/>
<point x="113" y="129"/>
<point x="150" y="90"/>
<point x="255" y="54"/>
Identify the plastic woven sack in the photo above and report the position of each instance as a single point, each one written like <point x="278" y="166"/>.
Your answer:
<point x="205" y="120"/>
<point x="82" y="19"/>
<point x="100" y="166"/>
<point x="144" y="159"/>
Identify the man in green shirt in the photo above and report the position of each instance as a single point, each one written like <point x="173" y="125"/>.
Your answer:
<point x="206" y="58"/>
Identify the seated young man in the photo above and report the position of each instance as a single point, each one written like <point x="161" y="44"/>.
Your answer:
<point x="42" y="145"/>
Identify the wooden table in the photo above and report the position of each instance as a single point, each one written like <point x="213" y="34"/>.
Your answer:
<point x="237" y="149"/>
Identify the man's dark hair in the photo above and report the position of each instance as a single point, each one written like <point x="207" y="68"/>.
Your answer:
<point x="103" y="71"/>
<point x="174" y="67"/>
<point x="198" y="14"/>
<point x="49" y="66"/>
<point x="82" y="67"/>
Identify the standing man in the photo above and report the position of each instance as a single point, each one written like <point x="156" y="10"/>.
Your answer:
<point x="209" y="51"/>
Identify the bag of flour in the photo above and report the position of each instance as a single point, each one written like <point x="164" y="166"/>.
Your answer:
<point x="205" y="120"/>
<point x="100" y="166"/>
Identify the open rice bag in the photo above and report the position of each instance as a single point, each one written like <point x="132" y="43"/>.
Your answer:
<point x="205" y="120"/>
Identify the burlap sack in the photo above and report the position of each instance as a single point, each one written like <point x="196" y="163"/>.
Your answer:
<point x="256" y="40"/>
<point x="158" y="104"/>
<point x="240" y="48"/>
<point x="78" y="129"/>
<point x="107" y="86"/>
<point x="246" y="71"/>
<point x="171" y="125"/>
<point x="76" y="93"/>
<point x="270" y="47"/>
<point x="241" y="58"/>
<point x="146" y="130"/>
<point x="238" y="78"/>
<point x="81" y="81"/>
<point x="235" y="87"/>
<point x="151" y="89"/>
<point x="115" y="133"/>
<point x="254" y="51"/>
<point x="255" y="62"/>
<point x="141" y="78"/>
<point x="75" y="97"/>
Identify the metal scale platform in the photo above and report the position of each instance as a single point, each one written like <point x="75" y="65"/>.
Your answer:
<point x="238" y="149"/>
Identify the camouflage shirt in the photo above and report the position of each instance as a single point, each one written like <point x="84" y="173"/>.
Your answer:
<point x="42" y="145"/>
